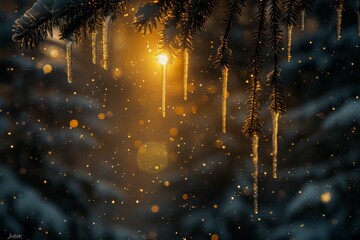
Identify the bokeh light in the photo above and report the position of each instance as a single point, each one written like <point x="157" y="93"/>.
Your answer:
<point x="152" y="157"/>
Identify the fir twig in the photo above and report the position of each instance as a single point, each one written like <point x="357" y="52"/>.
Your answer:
<point x="149" y="14"/>
<point x="222" y="58"/>
<point x="252" y="123"/>
<point x="38" y="22"/>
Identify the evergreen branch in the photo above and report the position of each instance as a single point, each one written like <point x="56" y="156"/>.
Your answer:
<point x="292" y="8"/>
<point x="252" y="123"/>
<point x="192" y="21"/>
<point x="306" y="5"/>
<point x="171" y="30"/>
<point x="276" y="37"/>
<point x="223" y="57"/>
<point x="277" y="95"/>
<point x="35" y="25"/>
<point x="186" y="25"/>
<point x="38" y="22"/>
<point x="149" y="14"/>
<point x="200" y="13"/>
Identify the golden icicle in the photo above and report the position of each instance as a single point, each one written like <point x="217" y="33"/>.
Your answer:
<point x="225" y="73"/>
<point x="68" y="45"/>
<point x="163" y="91"/>
<point x="339" y="11"/>
<point x="93" y="46"/>
<point x="358" y="22"/>
<point x="186" y="72"/>
<point x="255" y="160"/>
<point x="275" y="121"/>
<point x="289" y="35"/>
<point x="302" y="13"/>
<point x="105" y="39"/>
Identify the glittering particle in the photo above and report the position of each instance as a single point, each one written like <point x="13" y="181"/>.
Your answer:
<point x="74" y="123"/>
<point x="173" y="131"/>
<point x="47" y="68"/>
<point x="214" y="237"/>
<point x="155" y="208"/>
<point x="326" y="197"/>
<point x="101" y="116"/>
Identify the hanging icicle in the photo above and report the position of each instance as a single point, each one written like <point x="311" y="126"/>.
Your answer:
<point x="223" y="59"/>
<point x="302" y="15"/>
<point x="275" y="122"/>
<point x="105" y="40"/>
<point x="255" y="160"/>
<point x="163" y="91"/>
<point x="186" y="72"/>
<point x="289" y="35"/>
<point x="339" y="11"/>
<point x="93" y="46"/>
<point x="358" y="22"/>
<point x="225" y="73"/>
<point x="163" y="60"/>
<point x="68" y="45"/>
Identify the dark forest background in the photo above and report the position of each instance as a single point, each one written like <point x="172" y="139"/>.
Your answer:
<point x="58" y="182"/>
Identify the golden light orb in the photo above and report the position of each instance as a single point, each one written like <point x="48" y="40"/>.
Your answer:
<point x="47" y="68"/>
<point x="152" y="157"/>
<point x="326" y="197"/>
<point x="73" y="123"/>
<point x="155" y="208"/>
<point x="162" y="59"/>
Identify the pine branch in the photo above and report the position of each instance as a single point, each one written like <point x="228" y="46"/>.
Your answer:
<point x="276" y="37"/>
<point x="277" y="95"/>
<point x="306" y="5"/>
<point x="193" y="20"/>
<point x="292" y="8"/>
<point x="252" y="123"/>
<point x="38" y="22"/>
<point x="172" y="30"/>
<point x="223" y="57"/>
<point x="149" y="14"/>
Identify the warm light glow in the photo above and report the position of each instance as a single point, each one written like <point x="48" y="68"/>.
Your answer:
<point x="162" y="59"/>
<point x="73" y="123"/>
<point x="152" y="157"/>
<point x="155" y="208"/>
<point x="214" y="237"/>
<point x="47" y="68"/>
<point x="326" y="197"/>
<point x="101" y="116"/>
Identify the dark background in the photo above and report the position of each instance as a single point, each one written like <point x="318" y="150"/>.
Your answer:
<point x="58" y="182"/>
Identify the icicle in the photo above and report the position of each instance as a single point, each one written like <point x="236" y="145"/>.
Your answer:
<point x="339" y="11"/>
<point x="186" y="72"/>
<point x="105" y="33"/>
<point x="275" y="120"/>
<point x="163" y="94"/>
<point x="358" y="22"/>
<point x="289" y="35"/>
<point x="225" y="73"/>
<point x="255" y="160"/>
<point x="93" y="46"/>
<point x="302" y="13"/>
<point x="68" y="44"/>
